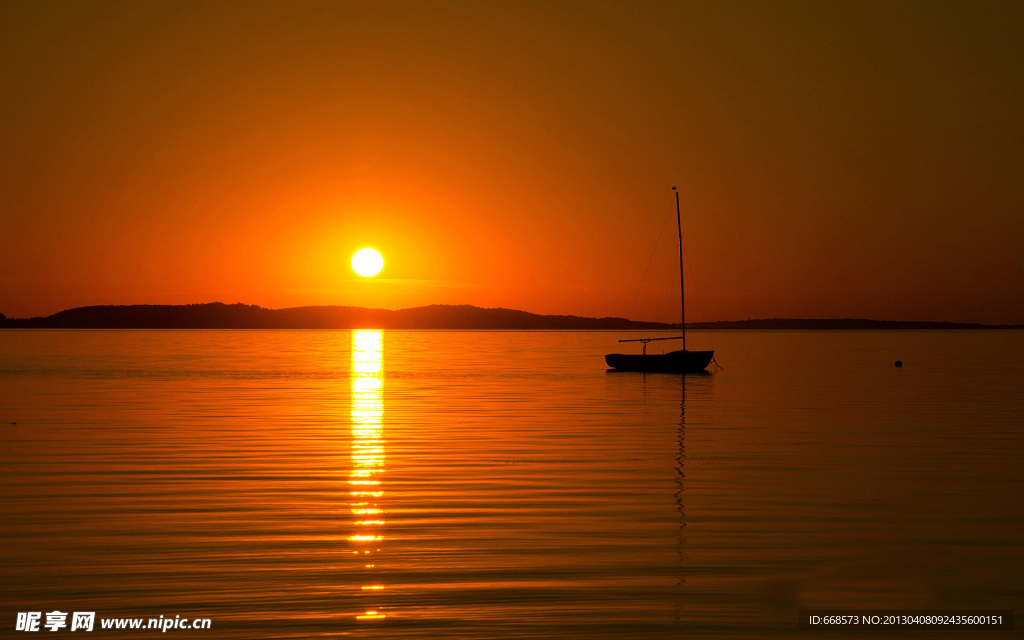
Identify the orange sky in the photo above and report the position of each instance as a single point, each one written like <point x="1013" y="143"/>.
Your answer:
<point x="834" y="159"/>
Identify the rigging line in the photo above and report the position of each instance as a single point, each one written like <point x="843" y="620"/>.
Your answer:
<point x="696" y="290"/>
<point x="664" y="222"/>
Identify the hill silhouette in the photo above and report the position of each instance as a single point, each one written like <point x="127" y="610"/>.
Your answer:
<point x="842" y="324"/>
<point x="217" y="315"/>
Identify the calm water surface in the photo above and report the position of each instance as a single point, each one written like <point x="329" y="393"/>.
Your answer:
<point x="504" y="484"/>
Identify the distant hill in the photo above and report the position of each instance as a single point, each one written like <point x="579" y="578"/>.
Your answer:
<point x="839" y="324"/>
<point x="216" y="315"/>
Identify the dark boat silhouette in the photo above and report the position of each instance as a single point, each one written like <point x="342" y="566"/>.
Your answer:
<point x="682" y="361"/>
<point x="672" y="362"/>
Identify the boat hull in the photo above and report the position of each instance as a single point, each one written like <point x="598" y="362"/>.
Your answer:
<point x="672" y="362"/>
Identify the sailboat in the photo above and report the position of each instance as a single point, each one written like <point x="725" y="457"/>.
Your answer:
<point x="674" y="361"/>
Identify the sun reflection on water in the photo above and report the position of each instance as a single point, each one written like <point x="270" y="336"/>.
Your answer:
<point x="367" y="453"/>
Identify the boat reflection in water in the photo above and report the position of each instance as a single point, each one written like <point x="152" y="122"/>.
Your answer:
<point x="680" y="488"/>
<point x="365" y="487"/>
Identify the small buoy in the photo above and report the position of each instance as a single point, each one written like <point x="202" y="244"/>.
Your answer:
<point x="899" y="363"/>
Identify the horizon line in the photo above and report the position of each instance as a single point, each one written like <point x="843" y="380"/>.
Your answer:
<point x="668" y="325"/>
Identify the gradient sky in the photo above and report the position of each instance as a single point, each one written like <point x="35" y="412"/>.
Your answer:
<point x="834" y="159"/>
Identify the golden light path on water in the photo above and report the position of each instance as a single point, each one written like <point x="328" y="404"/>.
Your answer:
<point x="364" y="481"/>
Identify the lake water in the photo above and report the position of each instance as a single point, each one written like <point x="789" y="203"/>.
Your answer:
<point x="289" y="484"/>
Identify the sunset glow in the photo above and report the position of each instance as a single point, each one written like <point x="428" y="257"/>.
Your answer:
<point x="513" y="319"/>
<point x="506" y="167"/>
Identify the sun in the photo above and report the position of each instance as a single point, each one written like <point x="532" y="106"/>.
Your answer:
<point x="367" y="262"/>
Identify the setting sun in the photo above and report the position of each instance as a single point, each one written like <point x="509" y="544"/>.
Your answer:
<point x="367" y="262"/>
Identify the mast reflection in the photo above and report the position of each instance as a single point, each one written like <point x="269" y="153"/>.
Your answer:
<point x="680" y="488"/>
<point x="700" y="389"/>
<point x="365" y="487"/>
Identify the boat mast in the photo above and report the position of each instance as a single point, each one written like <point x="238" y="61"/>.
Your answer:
<point x="682" y="295"/>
